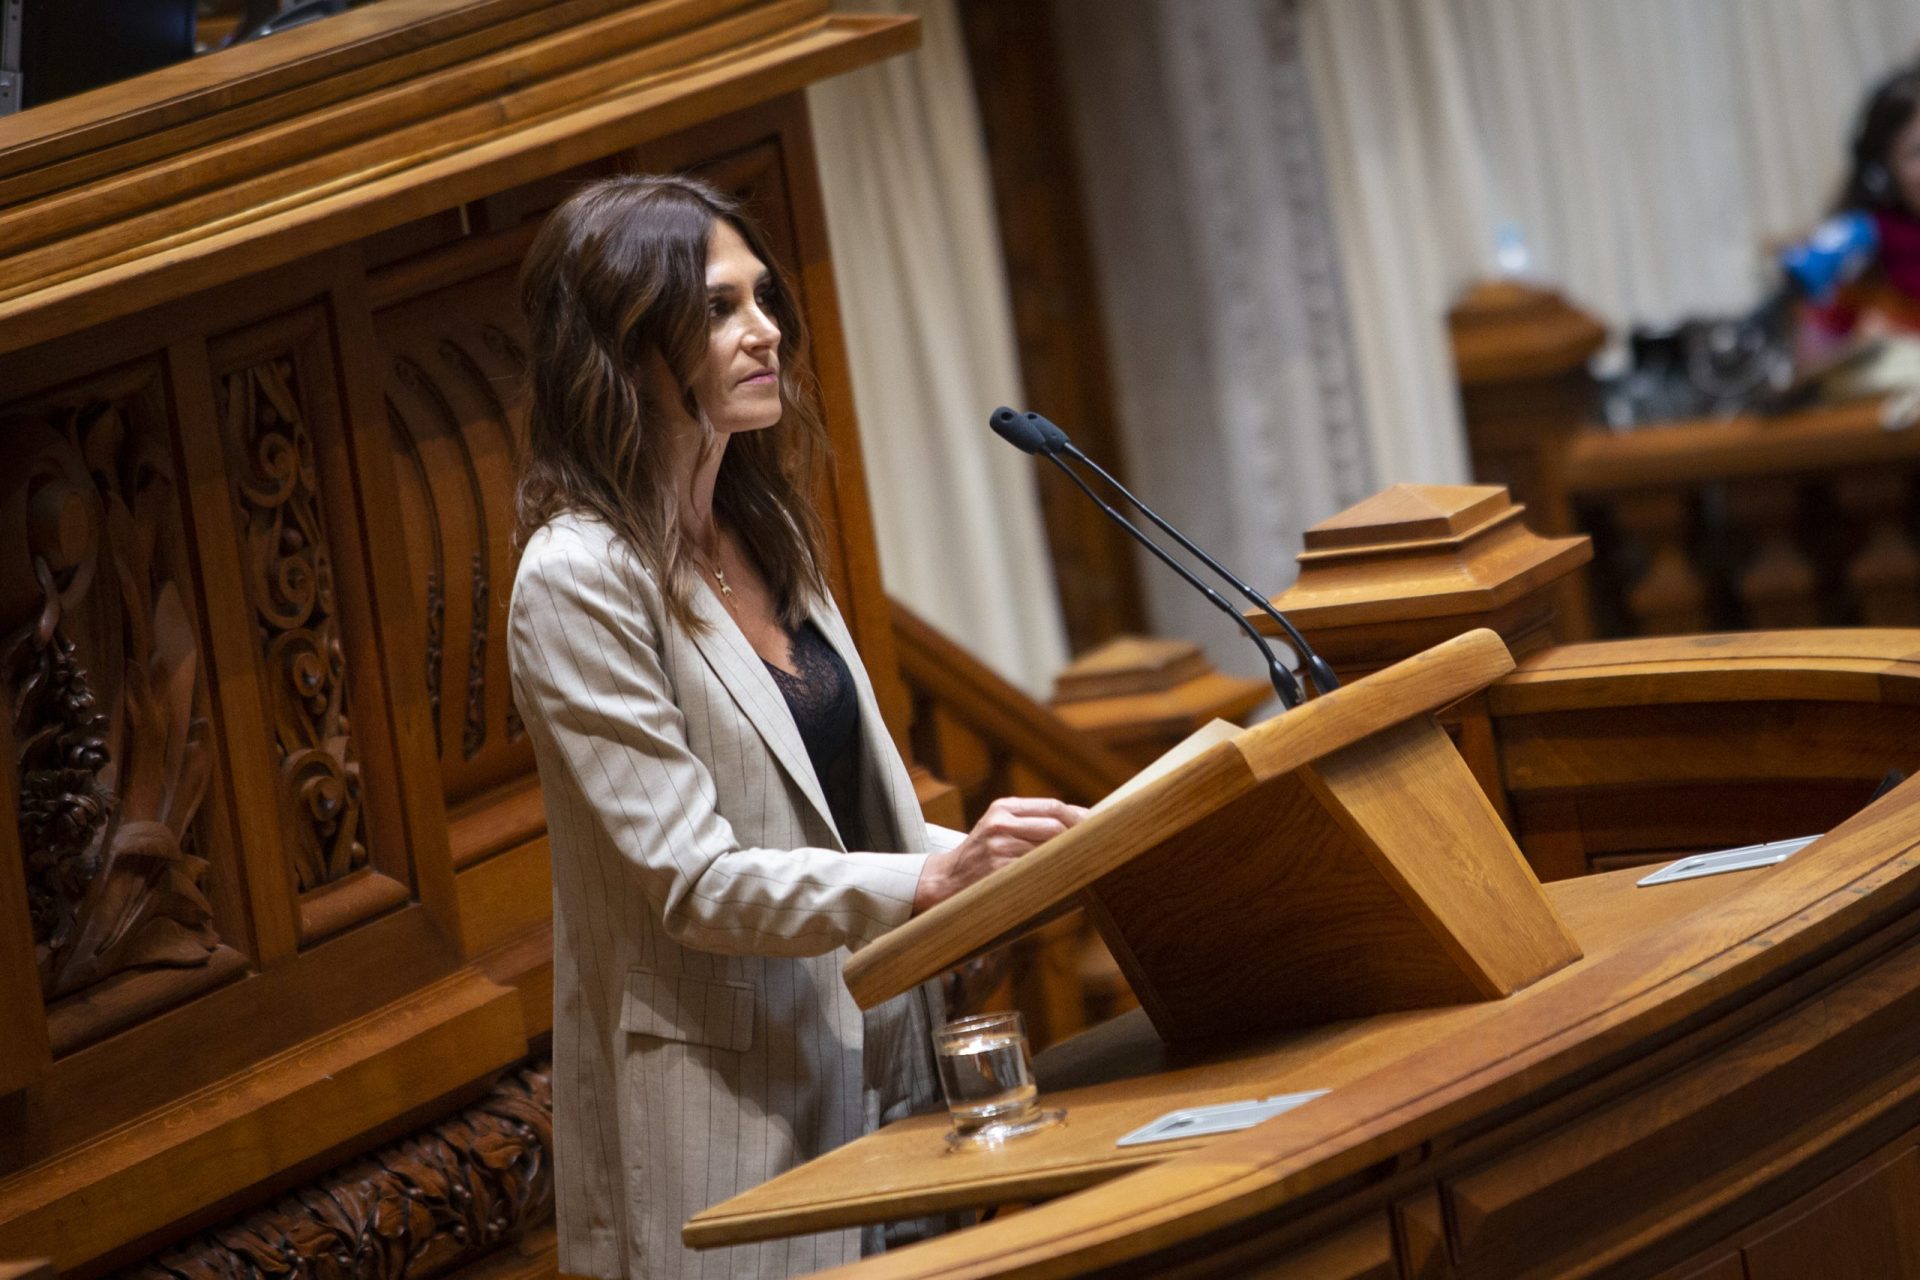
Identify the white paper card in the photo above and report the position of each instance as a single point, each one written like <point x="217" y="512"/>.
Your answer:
<point x="1745" y="858"/>
<point x="1221" y="1117"/>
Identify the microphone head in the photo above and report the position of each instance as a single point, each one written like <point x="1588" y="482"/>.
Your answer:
<point x="1017" y="429"/>
<point x="1052" y="438"/>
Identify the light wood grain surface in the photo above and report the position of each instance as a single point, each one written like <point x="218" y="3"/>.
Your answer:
<point x="1654" y="1011"/>
<point x="1120" y="1075"/>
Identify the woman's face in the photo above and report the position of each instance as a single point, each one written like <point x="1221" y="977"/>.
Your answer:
<point x="738" y="385"/>
<point x="1903" y="164"/>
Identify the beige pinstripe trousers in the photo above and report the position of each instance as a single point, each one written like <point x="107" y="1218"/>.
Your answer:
<point x="702" y="907"/>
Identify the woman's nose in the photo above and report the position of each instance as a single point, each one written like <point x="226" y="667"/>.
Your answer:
<point x="762" y="331"/>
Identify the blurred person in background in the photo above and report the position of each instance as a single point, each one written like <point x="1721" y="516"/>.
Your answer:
<point x="1883" y="184"/>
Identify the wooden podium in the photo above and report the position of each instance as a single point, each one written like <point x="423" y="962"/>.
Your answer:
<point x="1333" y="862"/>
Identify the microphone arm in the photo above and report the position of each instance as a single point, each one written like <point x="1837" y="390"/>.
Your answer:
<point x="1317" y="669"/>
<point x="1284" y="684"/>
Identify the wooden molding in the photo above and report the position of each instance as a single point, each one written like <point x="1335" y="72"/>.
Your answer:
<point x="1682" y="454"/>
<point x="217" y="1144"/>
<point x="445" y="1195"/>
<point x="332" y="132"/>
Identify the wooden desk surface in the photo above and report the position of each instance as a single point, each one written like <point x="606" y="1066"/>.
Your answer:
<point x="1118" y="1076"/>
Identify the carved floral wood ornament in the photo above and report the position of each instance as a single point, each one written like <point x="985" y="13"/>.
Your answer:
<point x="107" y="695"/>
<point x="426" y="1204"/>
<point x="290" y="571"/>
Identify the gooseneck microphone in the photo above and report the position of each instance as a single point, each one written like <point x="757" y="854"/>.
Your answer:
<point x="1031" y="433"/>
<point x="1282" y="679"/>
<point x="1028" y="438"/>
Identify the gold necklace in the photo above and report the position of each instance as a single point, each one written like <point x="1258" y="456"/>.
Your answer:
<point x="720" y="580"/>
<point x="726" y="592"/>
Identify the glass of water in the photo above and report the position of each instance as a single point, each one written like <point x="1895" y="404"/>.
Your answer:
<point x="988" y="1080"/>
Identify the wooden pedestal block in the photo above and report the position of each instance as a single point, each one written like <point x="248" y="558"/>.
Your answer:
<point x="1138" y="696"/>
<point x="1417" y="564"/>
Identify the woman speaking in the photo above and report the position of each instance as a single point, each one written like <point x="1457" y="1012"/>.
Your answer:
<point x="715" y="768"/>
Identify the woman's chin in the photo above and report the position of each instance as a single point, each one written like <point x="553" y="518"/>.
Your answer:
<point x="747" y="422"/>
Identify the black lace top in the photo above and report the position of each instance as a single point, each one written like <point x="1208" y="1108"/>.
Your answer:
<point x="820" y="695"/>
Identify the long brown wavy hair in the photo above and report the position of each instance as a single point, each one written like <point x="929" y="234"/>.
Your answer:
<point x="619" y="270"/>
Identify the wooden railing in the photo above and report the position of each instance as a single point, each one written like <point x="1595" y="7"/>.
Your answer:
<point x="986" y="736"/>
<point x="1745" y="523"/>
<point x="989" y="739"/>
<point x="1803" y="520"/>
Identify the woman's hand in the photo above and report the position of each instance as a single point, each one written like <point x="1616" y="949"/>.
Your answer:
<point x="1010" y="827"/>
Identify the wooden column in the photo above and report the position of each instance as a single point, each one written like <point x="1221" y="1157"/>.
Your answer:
<point x="1777" y="583"/>
<point x="1520" y="353"/>
<point x="1670" y="598"/>
<point x="1013" y="51"/>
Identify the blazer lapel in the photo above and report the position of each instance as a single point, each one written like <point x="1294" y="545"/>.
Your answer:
<point x="743" y="674"/>
<point x="880" y="763"/>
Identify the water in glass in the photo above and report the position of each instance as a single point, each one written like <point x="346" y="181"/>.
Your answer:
<point x="987" y="1079"/>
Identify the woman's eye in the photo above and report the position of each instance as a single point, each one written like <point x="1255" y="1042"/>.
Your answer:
<point x="718" y="308"/>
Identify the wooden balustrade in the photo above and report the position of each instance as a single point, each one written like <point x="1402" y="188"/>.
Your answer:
<point x="1804" y="519"/>
<point x="1751" y="523"/>
<point x="984" y="735"/>
<point x="988" y="739"/>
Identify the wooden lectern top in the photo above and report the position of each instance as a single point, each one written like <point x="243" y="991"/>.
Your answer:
<point x="1048" y="880"/>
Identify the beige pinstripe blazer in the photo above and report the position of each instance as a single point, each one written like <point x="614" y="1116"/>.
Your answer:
<point x="702" y="906"/>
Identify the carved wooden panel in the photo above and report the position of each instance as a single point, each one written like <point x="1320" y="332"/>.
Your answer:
<point x="278" y="409"/>
<point x="290" y="571"/>
<point x="455" y="354"/>
<point x="107" y="703"/>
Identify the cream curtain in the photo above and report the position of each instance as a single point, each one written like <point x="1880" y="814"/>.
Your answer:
<point x="1285" y="196"/>
<point x="923" y="298"/>
<point x="1650" y="152"/>
<point x="1408" y="196"/>
<point x="1225" y="310"/>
